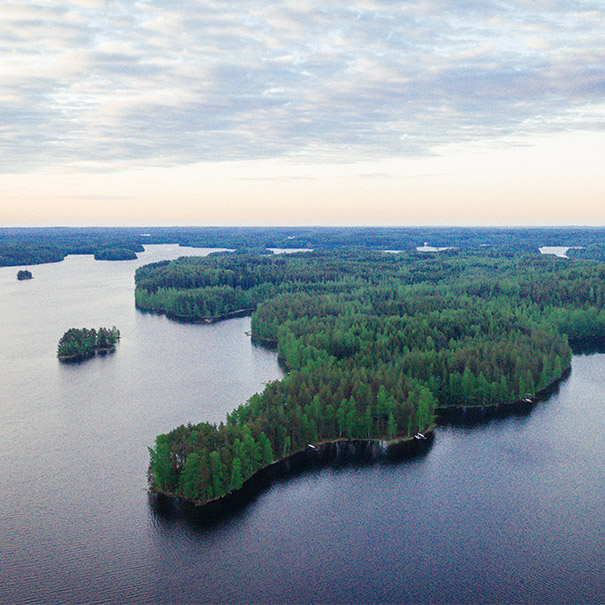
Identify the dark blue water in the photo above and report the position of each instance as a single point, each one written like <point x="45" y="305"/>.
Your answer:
<point x="512" y="510"/>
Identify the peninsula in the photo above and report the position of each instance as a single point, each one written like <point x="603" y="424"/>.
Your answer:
<point x="372" y="343"/>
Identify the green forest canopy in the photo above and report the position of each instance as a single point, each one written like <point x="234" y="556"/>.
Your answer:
<point x="81" y="343"/>
<point x="372" y="343"/>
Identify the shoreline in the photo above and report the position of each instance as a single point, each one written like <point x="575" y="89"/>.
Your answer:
<point x="206" y="319"/>
<point x="339" y="452"/>
<point x="452" y="412"/>
<point x="333" y="451"/>
<point x="88" y="355"/>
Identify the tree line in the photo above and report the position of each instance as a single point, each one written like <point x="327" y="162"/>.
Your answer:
<point x="507" y="240"/>
<point x="373" y="344"/>
<point x="34" y="246"/>
<point x="28" y="246"/>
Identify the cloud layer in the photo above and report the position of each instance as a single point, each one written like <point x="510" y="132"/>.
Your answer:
<point x="116" y="83"/>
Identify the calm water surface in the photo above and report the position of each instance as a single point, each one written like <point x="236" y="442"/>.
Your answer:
<point x="512" y="510"/>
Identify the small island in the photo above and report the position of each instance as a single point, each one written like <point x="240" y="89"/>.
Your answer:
<point x="80" y="344"/>
<point x="24" y="274"/>
<point x="115" y="254"/>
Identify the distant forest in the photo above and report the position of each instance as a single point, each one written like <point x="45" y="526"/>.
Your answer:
<point x="30" y="246"/>
<point x="35" y="246"/>
<point x="373" y="344"/>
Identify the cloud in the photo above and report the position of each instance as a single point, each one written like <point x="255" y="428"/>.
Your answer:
<point x="166" y="83"/>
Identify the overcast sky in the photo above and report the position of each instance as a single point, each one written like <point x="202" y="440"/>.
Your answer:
<point x="302" y="112"/>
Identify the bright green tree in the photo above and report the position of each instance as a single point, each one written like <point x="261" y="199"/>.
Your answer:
<point x="236" y="475"/>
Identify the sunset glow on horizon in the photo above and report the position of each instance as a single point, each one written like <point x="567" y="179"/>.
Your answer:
<point x="294" y="113"/>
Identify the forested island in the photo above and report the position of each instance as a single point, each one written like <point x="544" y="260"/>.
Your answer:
<point x="24" y="274"/>
<point x="80" y="344"/>
<point x="115" y="254"/>
<point x="374" y="345"/>
<point x="34" y="246"/>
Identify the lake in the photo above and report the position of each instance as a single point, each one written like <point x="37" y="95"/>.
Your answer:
<point x="508" y="510"/>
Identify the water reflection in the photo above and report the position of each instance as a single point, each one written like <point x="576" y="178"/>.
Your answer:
<point x="339" y="457"/>
<point x="508" y="509"/>
<point x="479" y="417"/>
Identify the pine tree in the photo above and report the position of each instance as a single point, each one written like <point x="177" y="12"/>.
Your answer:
<point x="218" y="475"/>
<point x="190" y="484"/>
<point x="161" y="464"/>
<point x="236" y="475"/>
<point x="266" y="449"/>
<point x="391" y="427"/>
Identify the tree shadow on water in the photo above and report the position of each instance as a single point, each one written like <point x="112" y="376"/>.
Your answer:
<point x="470" y="417"/>
<point x="341" y="455"/>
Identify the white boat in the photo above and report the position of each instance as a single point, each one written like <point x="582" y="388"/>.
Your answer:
<point x="419" y="436"/>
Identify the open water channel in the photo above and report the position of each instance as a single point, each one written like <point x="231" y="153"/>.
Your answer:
<point x="510" y="510"/>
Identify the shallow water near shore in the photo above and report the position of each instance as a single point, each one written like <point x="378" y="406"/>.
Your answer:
<point x="502" y="510"/>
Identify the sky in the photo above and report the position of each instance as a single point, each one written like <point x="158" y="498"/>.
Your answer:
<point x="302" y="112"/>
